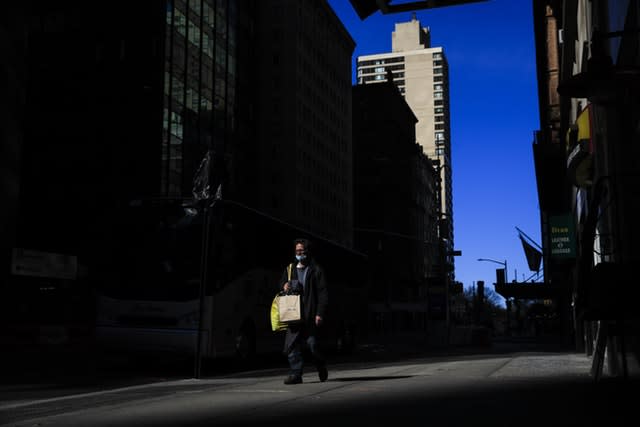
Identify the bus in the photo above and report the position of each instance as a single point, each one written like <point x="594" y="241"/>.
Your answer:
<point x="149" y="297"/>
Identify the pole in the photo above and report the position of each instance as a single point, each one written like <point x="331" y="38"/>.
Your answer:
<point x="204" y="273"/>
<point x="507" y="301"/>
<point x="447" y="284"/>
<point x="507" y="329"/>
<point x="506" y="274"/>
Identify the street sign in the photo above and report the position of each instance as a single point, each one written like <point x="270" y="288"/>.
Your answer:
<point x="562" y="235"/>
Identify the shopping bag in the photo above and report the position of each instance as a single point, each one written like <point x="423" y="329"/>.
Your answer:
<point x="288" y="305"/>
<point x="289" y="308"/>
<point x="276" y="325"/>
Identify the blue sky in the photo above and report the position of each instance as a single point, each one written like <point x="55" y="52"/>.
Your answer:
<point x="494" y="113"/>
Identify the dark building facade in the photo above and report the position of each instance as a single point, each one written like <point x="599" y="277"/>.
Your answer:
<point x="13" y="47"/>
<point x="123" y="111"/>
<point x="302" y="74"/>
<point x="586" y="155"/>
<point x="121" y="104"/>
<point x="396" y="207"/>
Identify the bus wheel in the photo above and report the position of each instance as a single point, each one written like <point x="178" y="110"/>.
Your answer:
<point x="246" y="341"/>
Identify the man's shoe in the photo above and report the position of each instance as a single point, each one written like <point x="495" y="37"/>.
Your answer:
<point x="293" y="379"/>
<point x="322" y="373"/>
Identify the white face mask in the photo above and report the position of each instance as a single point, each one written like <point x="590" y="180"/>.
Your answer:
<point x="301" y="257"/>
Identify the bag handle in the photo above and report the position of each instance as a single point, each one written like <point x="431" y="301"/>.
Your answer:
<point x="289" y="268"/>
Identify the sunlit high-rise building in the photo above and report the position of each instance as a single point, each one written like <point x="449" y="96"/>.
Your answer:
<point x="421" y="74"/>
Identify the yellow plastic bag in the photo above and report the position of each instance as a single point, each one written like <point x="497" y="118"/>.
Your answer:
<point x="276" y="325"/>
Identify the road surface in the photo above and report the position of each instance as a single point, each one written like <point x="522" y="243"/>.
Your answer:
<point x="511" y="389"/>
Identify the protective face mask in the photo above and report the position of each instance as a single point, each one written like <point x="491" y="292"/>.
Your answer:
<point x="301" y="257"/>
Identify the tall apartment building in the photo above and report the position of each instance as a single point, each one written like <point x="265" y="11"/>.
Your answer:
<point x="421" y="74"/>
<point x="303" y="117"/>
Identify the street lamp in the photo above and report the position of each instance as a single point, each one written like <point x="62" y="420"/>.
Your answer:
<point x="507" y="302"/>
<point x="506" y="274"/>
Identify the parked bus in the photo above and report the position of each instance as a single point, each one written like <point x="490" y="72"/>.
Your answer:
<point x="149" y="298"/>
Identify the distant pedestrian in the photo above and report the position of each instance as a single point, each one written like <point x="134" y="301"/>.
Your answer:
<point x="308" y="279"/>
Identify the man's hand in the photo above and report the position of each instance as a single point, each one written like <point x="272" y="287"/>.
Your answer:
<point x="318" y="320"/>
<point x="286" y="287"/>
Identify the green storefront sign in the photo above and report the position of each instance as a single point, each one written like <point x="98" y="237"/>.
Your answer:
<point x="562" y="235"/>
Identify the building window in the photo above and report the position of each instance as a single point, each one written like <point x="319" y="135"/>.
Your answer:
<point x="194" y="33"/>
<point x="437" y="55"/>
<point x="396" y="59"/>
<point x="437" y="87"/>
<point x="373" y="78"/>
<point x="438" y="78"/>
<point x="439" y="110"/>
<point x="440" y="118"/>
<point x="437" y="63"/>
<point x="438" y="102"/>
<point x="439" y="126"/>
<point x="439" y="136"/>
<point x="437" y="95"/>
<point x="437" y="70"/>
<point x="176" y="124"/>
<point x="180" y="22"/>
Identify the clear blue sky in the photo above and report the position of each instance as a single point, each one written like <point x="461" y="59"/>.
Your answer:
<point x="494" y="113"/>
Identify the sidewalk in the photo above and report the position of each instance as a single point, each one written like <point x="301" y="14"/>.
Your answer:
<point x="41" y="373"/>
<point x="507" y="387"/>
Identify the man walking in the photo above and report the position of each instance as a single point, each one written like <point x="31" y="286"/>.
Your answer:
<point x="307" y="279"/>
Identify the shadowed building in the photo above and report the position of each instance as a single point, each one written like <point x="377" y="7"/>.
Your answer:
<point x="121" y="103"/>
<point x="421" y="74"/>
<point x="395" y="186"/>
<point x="586" y="159"/>
<point x="13" y="46"/>
<point x="303" y="117"/>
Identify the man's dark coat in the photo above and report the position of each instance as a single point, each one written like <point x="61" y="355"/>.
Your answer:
<point x="314" y="301"/>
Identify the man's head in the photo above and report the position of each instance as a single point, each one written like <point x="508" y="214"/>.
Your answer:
<point x="302" y="248"/>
